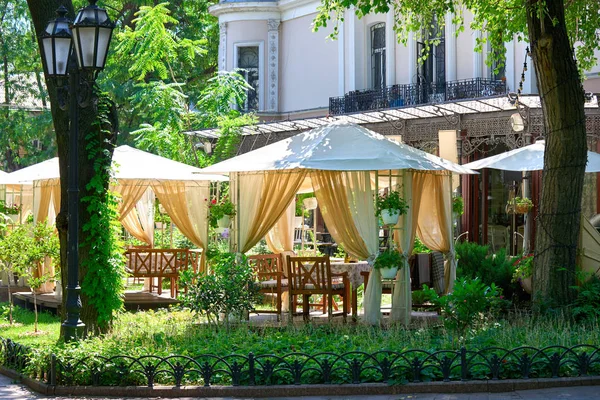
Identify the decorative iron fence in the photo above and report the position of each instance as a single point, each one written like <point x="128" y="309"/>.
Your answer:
<point x="297" y="368"/>
<point x="414" y="94"/>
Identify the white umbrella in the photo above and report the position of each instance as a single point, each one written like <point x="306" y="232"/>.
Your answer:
<point x="336" y="147"/>
<point x="129" y="163"/>
<point x="527" y="158"/>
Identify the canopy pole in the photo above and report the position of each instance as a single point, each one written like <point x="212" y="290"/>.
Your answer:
<point x="527" y="216"/>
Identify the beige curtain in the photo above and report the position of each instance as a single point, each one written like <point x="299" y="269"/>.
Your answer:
<point x="41" y="201"/>
<point x="281" y="237"/>
<point x="56" y="197"/>
<point x="145" y="211"/>
<point x="131" y="192"/>
<point x="412" y="183"/>
<point x="332" y="194"/>
<point x="434" y="226"/>
<point x="198" y="213"/>
<point x="172" y="195"/>
<point x="271" y="193"/>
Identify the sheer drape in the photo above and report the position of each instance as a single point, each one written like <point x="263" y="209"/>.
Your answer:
<point x="263" y="199"/>
<point x="172" y="195"/>
<point x="139" y="222"/>
<point x="435" y="222"/>
<point x="56" y="197"/>
<point x="42" y="195"/>
<point x="281" y="237"/>
<point x="341" y="210"/>
<point x="131" y="193"/>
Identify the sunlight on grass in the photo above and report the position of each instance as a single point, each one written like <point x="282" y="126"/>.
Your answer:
<point x="23" y="332"/>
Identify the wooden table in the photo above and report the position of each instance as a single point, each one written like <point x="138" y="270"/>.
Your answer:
<point x="354" y="276"/>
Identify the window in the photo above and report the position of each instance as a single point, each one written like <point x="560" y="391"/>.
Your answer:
<point x="378" y="55"/>
<point x="496" y="64"/>
<point x="433" y="68"/>
<point x="248" y="61"/>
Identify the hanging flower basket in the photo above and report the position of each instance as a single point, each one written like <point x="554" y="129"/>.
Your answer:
<point x="519" y="206"/>
<point x="390" y="217"/>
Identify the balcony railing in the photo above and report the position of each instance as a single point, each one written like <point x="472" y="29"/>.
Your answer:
<point x="414" y="94"/>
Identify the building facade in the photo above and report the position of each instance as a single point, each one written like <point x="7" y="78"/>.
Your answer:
<point x="303" y="78"/>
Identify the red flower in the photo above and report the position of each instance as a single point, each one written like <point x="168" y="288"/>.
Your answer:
<point x="214" y="201"/>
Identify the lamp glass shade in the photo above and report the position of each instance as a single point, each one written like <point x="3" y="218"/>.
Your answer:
<point x="92" y="32"/>
<point x="56" y="45"/>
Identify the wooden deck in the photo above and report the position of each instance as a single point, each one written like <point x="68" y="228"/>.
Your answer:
<point x="133" y="300"/>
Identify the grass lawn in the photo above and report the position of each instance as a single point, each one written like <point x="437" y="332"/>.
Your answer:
<point x="175" y="331"/>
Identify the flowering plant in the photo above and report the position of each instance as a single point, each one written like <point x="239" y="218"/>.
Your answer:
<point x="523" y="268"/>
<point x="390" y="201"/>
<point x="219" y="209"/>
<point x="10" y="209"/>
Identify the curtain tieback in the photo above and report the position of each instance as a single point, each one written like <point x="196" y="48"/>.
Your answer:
<point x="371" y="259"/>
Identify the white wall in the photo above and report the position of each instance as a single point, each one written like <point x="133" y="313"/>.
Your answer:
<point x="308" y="65"/>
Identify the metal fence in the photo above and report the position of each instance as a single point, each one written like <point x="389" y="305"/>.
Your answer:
<point x="297" y="368"/>
<point x="414" y="94"/>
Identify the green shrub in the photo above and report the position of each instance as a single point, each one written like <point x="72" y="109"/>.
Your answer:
<point x="587" y="303"/>
<point x="468" y="304"/>
<point x="476" y="262"/>
<point x="229" y="291"/>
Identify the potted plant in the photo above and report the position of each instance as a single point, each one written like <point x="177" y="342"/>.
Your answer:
<point x="523" y="272"/>
<point x="390" y="206"/>
<point x="10" y="210"/>
<point x="220" y="213"/>
<point x="388" y="263"/>
<point x="519" y="205"/>
<point x="458" y="206"/>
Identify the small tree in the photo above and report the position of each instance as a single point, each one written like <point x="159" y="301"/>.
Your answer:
<point x="44" y="245"/>
<point x="15" y="250"/>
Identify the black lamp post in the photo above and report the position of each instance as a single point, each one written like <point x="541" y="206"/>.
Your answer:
<point x="90" y="33"/>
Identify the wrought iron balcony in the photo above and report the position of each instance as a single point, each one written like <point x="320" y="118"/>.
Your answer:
<point x="414" y="94"/>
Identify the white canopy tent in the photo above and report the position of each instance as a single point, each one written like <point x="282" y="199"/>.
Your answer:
<point x="139" y="175"/>
<point x="342" y="163"/>
<point x="527" y="158"/>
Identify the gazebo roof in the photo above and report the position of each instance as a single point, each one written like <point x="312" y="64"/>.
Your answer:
<point x="527" y="158"/>
<point x="129" y="163"/>
<point x="339" y="146"/>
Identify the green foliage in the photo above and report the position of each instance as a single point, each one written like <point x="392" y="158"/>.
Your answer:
<point x="22" y="88"/>
<point x="105" y="264"/>
<point x="587" y="303"/>
<point x="468" y="304"/>
<point x="391" y="200"/>
<point x="390" y="258"/>
<point x="475" y="262"/>
<point x="229" y="291"/>
<point x="420" y="248"/>
<point x="458" y="206"/>
<point x="299" y="204"/>
<point x="219" y="209"/>
<point x="523" y="268"/>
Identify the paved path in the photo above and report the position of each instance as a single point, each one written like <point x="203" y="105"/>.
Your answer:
<point x="10" y="390"/>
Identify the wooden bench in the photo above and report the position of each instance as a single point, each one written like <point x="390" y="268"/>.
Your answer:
<point x="160" y="263"/>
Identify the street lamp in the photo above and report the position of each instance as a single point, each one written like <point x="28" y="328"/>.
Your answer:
<point x="91" y="34"/>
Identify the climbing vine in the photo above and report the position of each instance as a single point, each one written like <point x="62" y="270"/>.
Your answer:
<point x="105" y="264"/>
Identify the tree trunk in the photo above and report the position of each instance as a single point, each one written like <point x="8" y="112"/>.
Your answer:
<point x="562" y="99"/>
<point x="43" y="11"/>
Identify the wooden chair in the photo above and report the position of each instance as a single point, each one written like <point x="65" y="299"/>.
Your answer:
<point x="269" y="271"/>
<point x="312" y="276"/>
<point x="386" y="285"/>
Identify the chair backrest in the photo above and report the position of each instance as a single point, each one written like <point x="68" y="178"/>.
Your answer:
<point x="309" y="273"/>
<point x="266" y="266"/>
